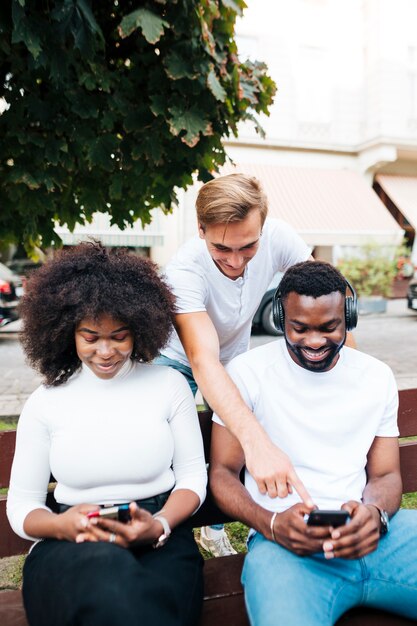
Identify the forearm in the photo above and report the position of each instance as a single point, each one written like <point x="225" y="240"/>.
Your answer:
<point x="224" y="398"/>
<point x="43" y="524"/>
<point x="384" y="492"/>
<point x="232" y="497"/>
<point x="180" y="505"/>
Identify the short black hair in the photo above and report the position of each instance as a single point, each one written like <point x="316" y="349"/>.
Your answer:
<point x="312" y="278"/>
<point x="88" y="281"/>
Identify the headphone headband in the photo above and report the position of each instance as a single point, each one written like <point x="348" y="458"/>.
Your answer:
<point x="351" y="309"/>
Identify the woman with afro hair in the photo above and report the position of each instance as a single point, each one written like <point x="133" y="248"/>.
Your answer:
<point x="121" y="438"/>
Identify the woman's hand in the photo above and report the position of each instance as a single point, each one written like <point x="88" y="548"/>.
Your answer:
<point x="73" y="524"/>
<point x="142" y="529"/>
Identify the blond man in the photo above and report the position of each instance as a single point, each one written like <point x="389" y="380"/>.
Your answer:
<point x="219" y="279"/>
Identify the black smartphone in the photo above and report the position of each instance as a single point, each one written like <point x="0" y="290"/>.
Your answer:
<point x="334" y="518"/>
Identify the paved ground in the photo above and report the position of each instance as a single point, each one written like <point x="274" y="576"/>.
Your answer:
<point x="390" y="336"/>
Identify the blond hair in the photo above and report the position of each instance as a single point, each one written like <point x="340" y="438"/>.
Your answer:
<point x="230" y="199"/>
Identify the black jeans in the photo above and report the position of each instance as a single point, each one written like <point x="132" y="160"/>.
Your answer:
<point x="102" y="584"/>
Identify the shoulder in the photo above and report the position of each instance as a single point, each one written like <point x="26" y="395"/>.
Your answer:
<point x="190" y="256"/>
<point x="188" y="269"/>
<point x="161" y="376"/>
<point x="365" y="364"/>
<point x="253" y="363"/>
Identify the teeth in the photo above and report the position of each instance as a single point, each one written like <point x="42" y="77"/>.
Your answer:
<point x="314" y="353"/>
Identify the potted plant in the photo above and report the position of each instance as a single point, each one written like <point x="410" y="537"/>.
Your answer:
<point x="371" y="273"/>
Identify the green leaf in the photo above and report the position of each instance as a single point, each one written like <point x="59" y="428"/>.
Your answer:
<point x="116" y="188"/>
<point x="25" y="31"/>
<point x="158" y="104"/>
<point x="215" y="86"/>
<point x="101" y="150"/>
<point x="152" y="25"/>
<point x="191" y="121"/>
<point x="234" y="6"/>
<point x="177" y="67"/>
<point x="25" y="178"/>
<point x="85" y="9"/>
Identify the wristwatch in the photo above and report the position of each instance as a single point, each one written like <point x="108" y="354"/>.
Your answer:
<point x="384" y="520"/>
<point x="162" y="539"/>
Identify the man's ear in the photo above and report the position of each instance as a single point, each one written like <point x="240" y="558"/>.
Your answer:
<point x="201" y="231"/>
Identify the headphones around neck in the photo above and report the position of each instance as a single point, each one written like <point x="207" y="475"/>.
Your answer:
<point x="351" y="310"/>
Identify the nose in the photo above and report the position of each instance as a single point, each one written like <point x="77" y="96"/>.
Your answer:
<point x="235" y="260"/>
<point x="315" y="340"/>
<point x="105" y="349"/>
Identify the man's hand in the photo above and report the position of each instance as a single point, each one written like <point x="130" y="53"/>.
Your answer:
<point x="273" y="470"/>
<point x="292" y="532"/>
<point x="358" y="537"/>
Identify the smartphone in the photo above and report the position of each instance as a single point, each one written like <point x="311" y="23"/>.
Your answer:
<point x="334" y="518"/>
<point x="121" y="513"/>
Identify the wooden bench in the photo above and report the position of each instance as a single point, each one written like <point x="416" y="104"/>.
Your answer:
<point x="223" y="598"/>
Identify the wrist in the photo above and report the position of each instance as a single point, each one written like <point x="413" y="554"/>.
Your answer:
<point x="381" y="516"/>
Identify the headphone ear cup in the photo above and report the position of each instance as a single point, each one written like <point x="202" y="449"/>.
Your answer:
<point x="351" y="308"/>
<point x="278" y="312"/>
<point x="351" y="313"/>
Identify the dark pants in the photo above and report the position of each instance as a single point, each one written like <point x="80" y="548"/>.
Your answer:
<point x="102" y="584"/>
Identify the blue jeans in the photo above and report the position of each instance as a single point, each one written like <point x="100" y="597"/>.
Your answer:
<point x="177" y="365"/>
<point x="187" y="372"/>
<point x="283" y="588"/>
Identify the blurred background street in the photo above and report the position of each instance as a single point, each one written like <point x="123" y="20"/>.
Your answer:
<point x="390" y="336"/>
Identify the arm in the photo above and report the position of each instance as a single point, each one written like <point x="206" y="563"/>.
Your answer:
<point x="383" y="490"/>
<point x="28" y="515"/>
<point x="270" y="467"/>
<point x="290" y="530"/>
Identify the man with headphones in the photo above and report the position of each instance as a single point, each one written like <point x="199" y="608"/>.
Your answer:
<point x="333" y="410"/>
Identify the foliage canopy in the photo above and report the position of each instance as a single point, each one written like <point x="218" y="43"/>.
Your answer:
<point x="113" y="103"/>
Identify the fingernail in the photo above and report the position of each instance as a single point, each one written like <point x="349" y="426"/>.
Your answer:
<point x="335" y="534"/>
<point x="329" y="555"/>
<point x="79" y="539"/>
<point x="327" y="546"/>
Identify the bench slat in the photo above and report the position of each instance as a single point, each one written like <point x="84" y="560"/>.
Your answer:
<point x="408" y="462"/>
<point x="407" y="413"/>
<point x="7" y="446"/>
<point x="10" y="543"/>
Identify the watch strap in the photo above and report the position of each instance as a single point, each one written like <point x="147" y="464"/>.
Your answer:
<point x="162" y="539"/>
<point x="384" y="520"/>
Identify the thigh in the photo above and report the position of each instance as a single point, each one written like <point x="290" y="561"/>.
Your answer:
<point x="283" y="588"/>
<point x="100" y="583"/>
<point x="174" y="578"/>
<point x="392" y="567"/>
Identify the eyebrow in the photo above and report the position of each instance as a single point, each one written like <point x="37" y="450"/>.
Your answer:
<point x="335" y="320"/>
<point x="247" y="245"/>
<point x="94" y="332"/>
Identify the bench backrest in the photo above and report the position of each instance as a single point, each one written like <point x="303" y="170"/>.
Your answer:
<point x="209" y="513"/>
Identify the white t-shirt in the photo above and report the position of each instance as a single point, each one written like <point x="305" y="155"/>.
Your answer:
<point x="107" y="441"/>
<point x="199" y="285"/>
<point x="325" y="422"/>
